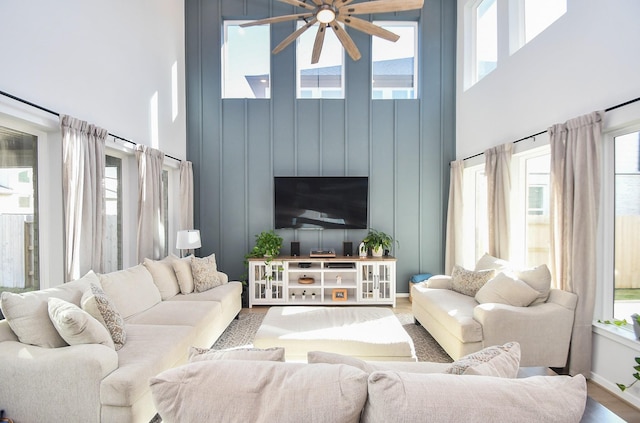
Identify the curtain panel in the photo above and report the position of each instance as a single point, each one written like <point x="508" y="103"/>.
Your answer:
<point x="83" y="168"/>
<point x="498" y="172"/>
<point x="454" y="240"/>
<point x="575" y="202"/>
<point x="150" y="236"/>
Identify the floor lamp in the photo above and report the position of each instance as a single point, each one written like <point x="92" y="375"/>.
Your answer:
<point x="188" y="240"/>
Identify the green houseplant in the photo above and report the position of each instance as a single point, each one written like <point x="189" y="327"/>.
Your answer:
<point x="268" y="244"/>
<point x="378" y="242"/>
<point x="636" y="375"/>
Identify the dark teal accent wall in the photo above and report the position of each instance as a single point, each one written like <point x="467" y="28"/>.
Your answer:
<point x="238" y="145"/>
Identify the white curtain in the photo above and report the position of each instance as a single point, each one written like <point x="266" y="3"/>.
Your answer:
<point x="498" y="172"/>
<point x="186" y="195"/>
<point x="150" y="211"/>
<point x="575" y="200"/>
<point x="83" y="163"/>
<point x="453" y="247"/>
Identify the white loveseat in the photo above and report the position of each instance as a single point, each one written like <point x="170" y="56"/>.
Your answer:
<point x="512" y="306"/>
<point x="94" y="382"/>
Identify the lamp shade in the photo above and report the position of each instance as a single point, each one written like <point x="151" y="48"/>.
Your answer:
<point x="188" y="240"/>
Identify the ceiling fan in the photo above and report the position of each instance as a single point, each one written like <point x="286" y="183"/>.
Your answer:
<point x="330" y="12"/>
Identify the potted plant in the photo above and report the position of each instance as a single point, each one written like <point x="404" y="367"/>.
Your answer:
<point x="636" y="375"/>
<point x="378" y="242"/>
<point x="268" y="244"/>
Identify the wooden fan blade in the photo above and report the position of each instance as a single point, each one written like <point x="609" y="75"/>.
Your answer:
<point x="317" y="2"/>
<point x="368" y="27"/>
<point x="277" y="19"/>
<point x="293" y="36"/>
<point x="299" y="4"/>
<point x="340" y="3"/>
<point x="381" y="6"/>
<point x="317" y="44"/>
<point x="346" y="41"/>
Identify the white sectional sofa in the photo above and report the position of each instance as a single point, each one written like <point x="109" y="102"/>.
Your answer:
<point x="92" y="382"/>
<point x="511" y="306"/>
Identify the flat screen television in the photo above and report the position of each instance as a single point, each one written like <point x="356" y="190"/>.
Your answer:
<point x="319" y="202"/>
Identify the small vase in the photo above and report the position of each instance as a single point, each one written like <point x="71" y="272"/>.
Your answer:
<point x="377" y="252"/>
<point x="636" y="325"/>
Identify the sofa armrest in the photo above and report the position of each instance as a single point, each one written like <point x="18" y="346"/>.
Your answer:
<point x="543" y="330"/>
<point x="37" y="384"/>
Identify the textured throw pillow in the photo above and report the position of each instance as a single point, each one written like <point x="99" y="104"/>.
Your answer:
<point x="468" y="282"/>
<point x="257" y="354"/>
<point x="182" y="267"/>
<point x="497" y="361"/>
<point x="75" y="325"/>
<point x="205" y="273"/>
<point x="488" y="261"/>
<point x="538" y="278"/>
<point x="417" y="398"/>
<point x="163" y="276"/>
<point x="28" y="315"/>
<point x="97" y="304"/>
<point x="506" y="289"/>
<point x="260" y="391"/>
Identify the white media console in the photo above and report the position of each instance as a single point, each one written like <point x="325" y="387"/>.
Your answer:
<point x="322" y="281"/>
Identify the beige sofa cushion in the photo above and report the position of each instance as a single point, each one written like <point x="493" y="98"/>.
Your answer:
<point x="28" y="313"/>
<point x="227" y="295"/>
<point x="163" y="276"/>
<point x="468" y="282"/>
<point x="506" y="289"/>
<point x="131" y="290"/>
<point x="443" y="398"/>
<point x="75" y="325"/>
<point x="182" y="267"/>
<point x="497" y="361"/>
<point x="539" y="278"/>
<point x="487" y="261"/>
<point x="209" y="391"/>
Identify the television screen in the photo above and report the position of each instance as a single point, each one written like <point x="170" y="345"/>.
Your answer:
<point x="310" y="202"/>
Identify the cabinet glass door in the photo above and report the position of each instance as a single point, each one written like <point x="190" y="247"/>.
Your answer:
<point x="384" y="281"/>
<point x="368" y="285"/>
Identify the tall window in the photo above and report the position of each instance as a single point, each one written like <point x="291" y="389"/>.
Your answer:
<point x="486" y="38"/>
<point x="537" y="225"/>
<point x="324" y="79"/>
<point x="539" y="14"/>
<point x="475" y="215"/>
<point x="113" y="211"/>
<point x="19" y="261"/>
<point x="395" y="63"/>
<point x="246" y="61"/>
<point x="627" y="225"/>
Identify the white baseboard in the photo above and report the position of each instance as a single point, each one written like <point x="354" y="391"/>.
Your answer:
<point x="613" y="389"/>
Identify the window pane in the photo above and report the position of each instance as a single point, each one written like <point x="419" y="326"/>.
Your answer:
<point x="627" y="225"/>
<point x="537" y="217"/>
<point x="324" y="79"/>
<point x="246" y="61"/>
<point x="19" y="260"/>
<point x="539" y="14"/>
<point x="113" y="211"/>
<point x="394" y="63"/>
<point x="486" y="38"/>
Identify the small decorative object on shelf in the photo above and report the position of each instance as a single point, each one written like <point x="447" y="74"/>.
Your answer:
<point x="313" y="295"/>
<point x="306" y="280"/>
<point x="304" y="294"/>
<point x="293" y="295"/>
<point x="338" y="280"/>
<point x="362" y="250"/>
<point x="339" y="294"/>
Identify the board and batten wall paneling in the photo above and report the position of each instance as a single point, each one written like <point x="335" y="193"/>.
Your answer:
<point x="239" y="145"/>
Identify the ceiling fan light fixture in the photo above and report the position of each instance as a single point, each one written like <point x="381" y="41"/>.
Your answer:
<point x="325" y="14"/>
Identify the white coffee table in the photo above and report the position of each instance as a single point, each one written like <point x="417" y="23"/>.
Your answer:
<point x="368" y="333"/>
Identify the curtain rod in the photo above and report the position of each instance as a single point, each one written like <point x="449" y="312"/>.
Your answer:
<point x="21" y="100"/>
<point x="617" y="106"/>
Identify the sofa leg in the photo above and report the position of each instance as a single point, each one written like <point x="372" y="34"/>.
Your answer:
<point x="237" y="316"/>
<point x="417" y="323"/>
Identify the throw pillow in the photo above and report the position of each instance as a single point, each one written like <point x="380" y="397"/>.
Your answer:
<point x="538" y="278"/>
<point x="468" y="282"/>
<point x="268" y="354"/>
<point x="163" y="276"/>
<point x="488" y="261"/>
<point x="497" y="361"/>
<point x="97" y="304"/>
<point x="182" y="267"/>
<point x="28" y="315"/>
<point x="439" y="282"/>
<point x="205" y="273"/>
<point x="260" y="391"/>
<point x="75" y="325"/>
<point x="416" y="398"/>
<point x="506" y="289"/>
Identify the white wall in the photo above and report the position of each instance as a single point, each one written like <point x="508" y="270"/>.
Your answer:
<point x="102" y="61"/>
<point x="587" y="60"/>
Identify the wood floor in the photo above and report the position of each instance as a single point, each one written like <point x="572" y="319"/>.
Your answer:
<point x="623" y="409"/>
